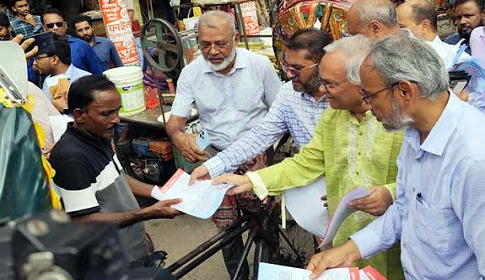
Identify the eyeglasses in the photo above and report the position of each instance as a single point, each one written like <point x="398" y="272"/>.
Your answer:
<point x="366" y="95"/>
<point x="218" y="46"/>
<point x="40" y="57"/>
<point x="294" y="72"/>
<point x="328" y="85"/>
<point x="58" y="24"/>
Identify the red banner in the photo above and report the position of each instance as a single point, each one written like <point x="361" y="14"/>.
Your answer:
<point x="118" y="29"/>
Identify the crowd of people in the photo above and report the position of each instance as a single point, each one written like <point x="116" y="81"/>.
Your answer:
<point x="374" y="109"/>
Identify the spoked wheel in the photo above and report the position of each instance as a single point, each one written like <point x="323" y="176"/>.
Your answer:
<point x="292" y="246"/>
<point x="296" y="246"/>
<point x="160" y="37"/>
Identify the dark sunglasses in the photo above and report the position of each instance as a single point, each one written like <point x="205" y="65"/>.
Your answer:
<point x="58" y="24"/>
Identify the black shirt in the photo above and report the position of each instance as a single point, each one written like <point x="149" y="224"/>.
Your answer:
<point x="89" y="179"/>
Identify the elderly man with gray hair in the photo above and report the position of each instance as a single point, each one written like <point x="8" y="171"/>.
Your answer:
<point x="376" y="19"/>
<point x="233" y="89"/>
<point x="349" y="146"/>
<point x="438" y="214"/>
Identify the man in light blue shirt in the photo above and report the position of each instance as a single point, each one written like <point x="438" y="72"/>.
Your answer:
<point x="56" y="65"/>
<point x="297" y="107"/>
<point x="104" y="48"/>
<point x="233" y="89"/>
<point x="439" y="211"/>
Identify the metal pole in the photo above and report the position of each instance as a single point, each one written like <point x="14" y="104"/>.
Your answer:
<point x="240" y="24"/>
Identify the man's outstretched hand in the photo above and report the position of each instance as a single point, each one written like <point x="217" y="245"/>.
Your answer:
<point x="241" y="183"/>
<point x="200" y="173"/>
<point x="163" y="209"/>
<point x="342" y="256"/>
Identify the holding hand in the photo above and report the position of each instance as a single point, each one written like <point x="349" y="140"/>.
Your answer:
<point x="30" y="19"/>
<point x="186" y="144"/>
<point x="241" y="183"/>
<point x="162" y="209"/>
<point x="376" y="203"/>
<point x="200" y="173"/>
<point x="342" y="256"/>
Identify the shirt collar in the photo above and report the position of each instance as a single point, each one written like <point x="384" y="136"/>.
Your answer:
<point x="306" y="95"/>
<point x="96" y="141"/>
<point x="96" y="41"/>
<point x="69" y="71"/>
<point x="441" y="132"/>
<point x="437" y="40"/>
<point x="241" y="62"/>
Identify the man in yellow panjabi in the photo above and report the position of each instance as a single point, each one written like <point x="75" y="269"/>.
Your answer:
<point x="349" y="145"/>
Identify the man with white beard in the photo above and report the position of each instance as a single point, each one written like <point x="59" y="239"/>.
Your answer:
<point x="233" y="89"/>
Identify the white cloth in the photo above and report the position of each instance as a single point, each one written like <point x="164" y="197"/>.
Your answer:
<point x="43" y="109"/>
<point x="72" y="74"/>
<point x="447" y="52"/>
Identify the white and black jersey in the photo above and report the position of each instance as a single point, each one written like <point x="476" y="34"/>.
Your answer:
<point x="90" y="179"/>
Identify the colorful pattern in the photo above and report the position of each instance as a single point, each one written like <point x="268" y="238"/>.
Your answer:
<point x="296" y="14"/>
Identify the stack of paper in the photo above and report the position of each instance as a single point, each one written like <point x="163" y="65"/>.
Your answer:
<point x="199" y="200"/>
<point x="341" y="213"/>
<point x="278" y="272"/>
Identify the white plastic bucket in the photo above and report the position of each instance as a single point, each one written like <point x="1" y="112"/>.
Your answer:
<point x="129" y="82"/>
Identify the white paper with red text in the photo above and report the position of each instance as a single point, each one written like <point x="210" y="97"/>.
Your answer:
<point x="278" y="272"/>
<point x="370" y="273"/>
<point x="200" y="200"/>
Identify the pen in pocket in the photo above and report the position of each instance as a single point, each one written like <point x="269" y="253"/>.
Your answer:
<point x="419" y="198"/>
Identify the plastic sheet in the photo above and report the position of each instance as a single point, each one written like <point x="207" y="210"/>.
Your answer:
<point x="23" y="181"/>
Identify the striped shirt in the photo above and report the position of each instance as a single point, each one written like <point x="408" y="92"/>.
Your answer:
<point x="90" y="179"/>
<point x="298" y="112"/>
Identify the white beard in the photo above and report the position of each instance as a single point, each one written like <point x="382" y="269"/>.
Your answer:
<point x="398" y="119"/>
<point x="223" y="65"/>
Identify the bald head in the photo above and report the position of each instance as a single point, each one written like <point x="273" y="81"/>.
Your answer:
<point x="420" y="17"/>
<point x="375" y="19"/>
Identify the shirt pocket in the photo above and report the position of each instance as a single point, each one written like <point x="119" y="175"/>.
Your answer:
<point x="249" y="97"/>
<point x="209" y="98"/>
<point x="431" y="226"/>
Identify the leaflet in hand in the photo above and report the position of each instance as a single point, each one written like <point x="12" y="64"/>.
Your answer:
<point x="370" y="273"/>
<point x="200" y="200"/>
<point x="341" y="213"/>
<point x="278" y="272"/>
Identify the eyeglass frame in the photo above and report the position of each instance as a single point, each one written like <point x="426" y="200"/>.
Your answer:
<point x="218" y="46"/>
<point x="39" y="57"/>
<point x="57" y="23"/>
<point x="327" y="85"/>
<point x="366" y="97"/>
<point x="297" y="73"/>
